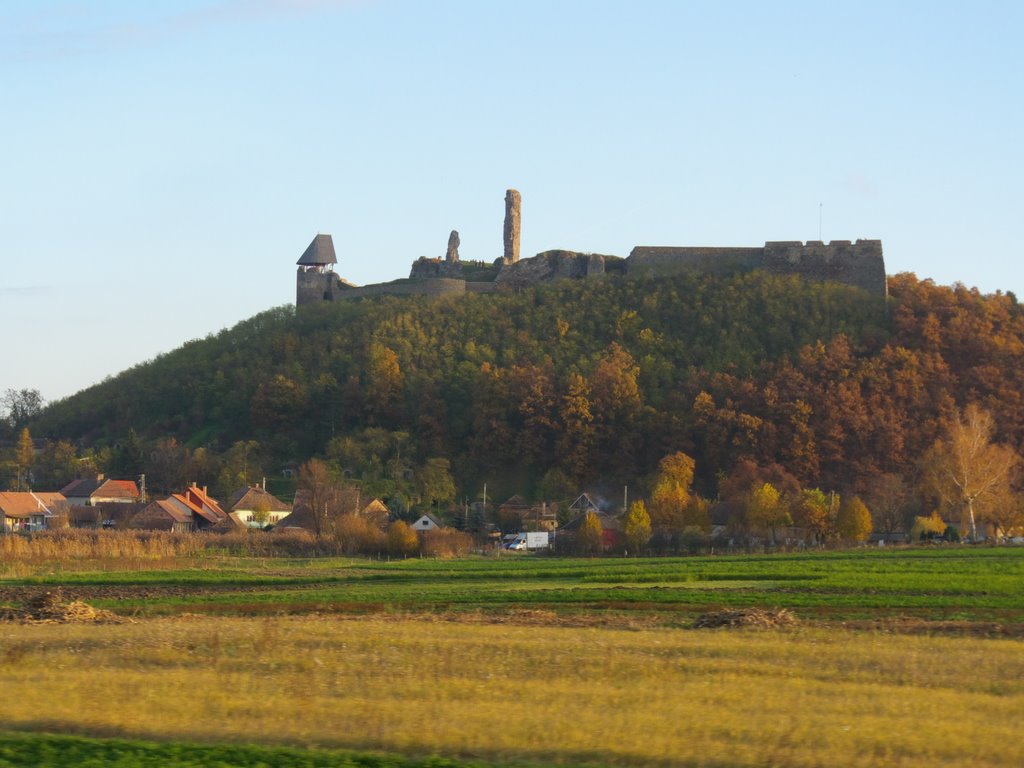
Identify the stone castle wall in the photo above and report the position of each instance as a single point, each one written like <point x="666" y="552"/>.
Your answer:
<point x="317" y="287"/>
<point x="860" y="264"/>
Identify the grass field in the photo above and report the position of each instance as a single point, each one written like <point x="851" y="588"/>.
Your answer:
<point x="908" y="658"/>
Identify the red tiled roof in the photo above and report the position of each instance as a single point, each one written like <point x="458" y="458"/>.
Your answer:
<point x="118" y="489"/>
<point x="86" y="488"/>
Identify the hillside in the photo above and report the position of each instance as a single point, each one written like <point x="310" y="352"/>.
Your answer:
<point x="578" y="382"/>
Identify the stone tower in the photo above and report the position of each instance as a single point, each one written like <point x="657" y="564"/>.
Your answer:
<point x="513" y="201"/>
<point x="315" y="280"/>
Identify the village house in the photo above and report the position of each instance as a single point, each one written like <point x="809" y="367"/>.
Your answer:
<point x="612" y="536"/>
<point x="257" y="508"/>
<point x="517" y="514"/>
<point x="426" y="523"/>
<point x="191" y="510"/>
<point x="347" y="502"/>
<point x="90" y="492"/>
<point x="29" y="511"/>
<point x="105" y="514"/>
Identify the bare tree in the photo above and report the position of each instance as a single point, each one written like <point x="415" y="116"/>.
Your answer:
<point x="966" y="471"/>
<point x="21" y="405"/>
<point x="323" y="493"/>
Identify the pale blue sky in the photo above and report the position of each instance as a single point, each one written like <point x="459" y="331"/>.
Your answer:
<point x="166" y="163"/>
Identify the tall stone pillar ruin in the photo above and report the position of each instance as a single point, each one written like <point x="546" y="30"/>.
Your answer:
<point x="452" y="255"/>
<point x="512" y="213"/>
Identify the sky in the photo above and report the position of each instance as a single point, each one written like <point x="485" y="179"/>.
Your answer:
<point x="166" y="163"/>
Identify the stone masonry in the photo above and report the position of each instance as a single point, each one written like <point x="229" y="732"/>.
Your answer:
<point x="452" y="255"/>
<point x="513" y="202"/>
<point x="859" y="264"/>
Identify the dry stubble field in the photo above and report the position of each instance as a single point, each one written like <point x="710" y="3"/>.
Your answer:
<point x="525" y="686"/>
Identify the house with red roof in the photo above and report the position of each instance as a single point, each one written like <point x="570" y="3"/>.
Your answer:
<point x="91" y="492"/>
<point x="191" y="510"/>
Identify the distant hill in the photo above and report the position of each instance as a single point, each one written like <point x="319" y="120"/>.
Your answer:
<point x="583" y="382"/>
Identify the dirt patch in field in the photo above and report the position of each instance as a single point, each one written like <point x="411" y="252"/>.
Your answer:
<point x="757" y="618"/>
<point x="53" y="608"/>
<point x="22" y="593"/>
<point x="914" y="626"/>
<point x="545" y="618"/>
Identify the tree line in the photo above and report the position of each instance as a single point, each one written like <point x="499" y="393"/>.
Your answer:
<point x="573" y="385"/>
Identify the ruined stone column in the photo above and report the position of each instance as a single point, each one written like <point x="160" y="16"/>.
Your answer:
<point x="452" y="255"/>
<point x="512" y="204"/>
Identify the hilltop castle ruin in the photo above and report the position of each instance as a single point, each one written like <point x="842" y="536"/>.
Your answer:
<point x="859" y="264"/>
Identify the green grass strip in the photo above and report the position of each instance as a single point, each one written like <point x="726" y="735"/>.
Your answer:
<point x="52" y="751"/>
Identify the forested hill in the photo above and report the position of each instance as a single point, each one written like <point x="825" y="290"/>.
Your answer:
<point x="582" y="382"/>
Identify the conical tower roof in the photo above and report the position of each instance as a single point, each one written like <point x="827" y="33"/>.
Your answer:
<point x="319" y="253"/>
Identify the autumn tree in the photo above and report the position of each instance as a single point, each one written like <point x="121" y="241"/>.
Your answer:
<point x="575" y="441"/>
<point x="968" y="473"/>
<point x="402" y="539"/>
<point x="261" y="511"/>
<point x="671" y="491"/>
<point x="384" y="384"/>
<point x="766" y="509"/>
<point x="637" y="526"/>
<point x="591" y="533"/>
<point x="891" y="502"/>
<point x="812" y="511"/>
<point x="853" y="522"/>
<point x="24" y="457"/>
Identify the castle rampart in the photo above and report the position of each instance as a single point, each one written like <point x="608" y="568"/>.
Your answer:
<point x="860" y="264"/>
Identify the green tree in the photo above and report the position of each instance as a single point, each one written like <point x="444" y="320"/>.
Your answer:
<point x="435" y="481"/>
<point x="637" y="527"/>
<point x="57" y="465"/>
<point x="853" y="523"/>
<point x="241" y="467"/>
